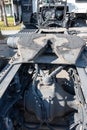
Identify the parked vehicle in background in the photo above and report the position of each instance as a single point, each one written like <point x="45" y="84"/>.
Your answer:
<point x="79" y="10"/>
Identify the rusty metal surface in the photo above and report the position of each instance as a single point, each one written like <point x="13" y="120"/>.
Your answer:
<point x="67" y="48"/>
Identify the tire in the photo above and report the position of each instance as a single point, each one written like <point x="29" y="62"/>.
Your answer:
<point x="80" y="22"/>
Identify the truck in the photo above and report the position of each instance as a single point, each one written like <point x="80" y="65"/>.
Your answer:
<point x="43" y="86"/>
<point x="79" y="8"/>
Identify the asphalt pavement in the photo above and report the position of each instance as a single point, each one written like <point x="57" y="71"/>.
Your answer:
<point x="9" y="32"/>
